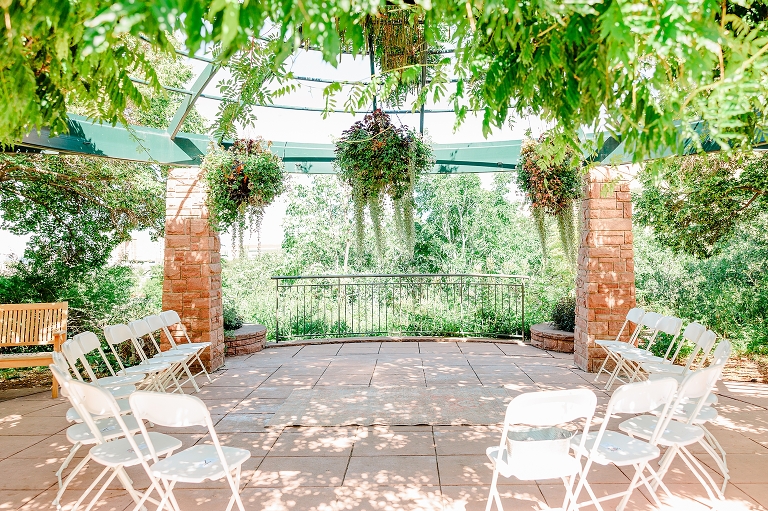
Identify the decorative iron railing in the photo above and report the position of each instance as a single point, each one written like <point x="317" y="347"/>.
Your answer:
<point x="333" y="306"/>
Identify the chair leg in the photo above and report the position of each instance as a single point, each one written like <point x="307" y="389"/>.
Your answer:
<point x="75" y="471"/>
<point x="493" y="494"/>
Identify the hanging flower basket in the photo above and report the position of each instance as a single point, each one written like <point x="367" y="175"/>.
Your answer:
<point x="376" y="159"/>
<point x="242" y="181"/>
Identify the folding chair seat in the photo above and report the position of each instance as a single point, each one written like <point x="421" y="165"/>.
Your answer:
<point x="632" y="357"/>
<point x="171" y="318"/>
<point x="677" y="435"/>
<point x="606" y="447"/>
<point x="207" y="462"/>
<point x="141" y="330"/>
<point x="541" y="452"/>
<point x="635" y="316"/>
<point x="160" y="373"/>
<point x="130" y="449"/>
<point x="703" y="340"/>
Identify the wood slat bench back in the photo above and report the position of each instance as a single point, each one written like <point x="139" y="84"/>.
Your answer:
<point x="28" y="324"/>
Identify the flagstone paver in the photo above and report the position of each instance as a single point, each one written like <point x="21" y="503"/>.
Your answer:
<point x="379" y="467"/>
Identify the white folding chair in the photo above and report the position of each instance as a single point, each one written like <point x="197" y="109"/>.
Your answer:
<point x="707" y="413"/>
<point x="632" y="357"/>
<point x="88" y="343"/>
<point x="80" y="434"/>
<point x="120" y="452"/>
<point x="156" y="323"/>
<point x="171" y="319"/>
<point x="541" y="452"/>
<point x="181" y="359"/>
<point x="635" y="316"/>
<point x="159" y="372"/>
<point x="703" y="340"/>
<point x="195" y="464"/>
<point x="607" y="447"/>
<point x="676" y="435"/>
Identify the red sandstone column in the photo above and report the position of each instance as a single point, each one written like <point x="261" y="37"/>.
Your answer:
<point x="192" y="278"/>
<point x="605" y="282"/>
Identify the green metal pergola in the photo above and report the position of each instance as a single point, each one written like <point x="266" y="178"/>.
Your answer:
<point x="174" y="147"/>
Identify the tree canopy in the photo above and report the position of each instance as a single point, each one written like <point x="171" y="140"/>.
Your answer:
<point x="643" y="70"/>
<point x="696" y="203"/>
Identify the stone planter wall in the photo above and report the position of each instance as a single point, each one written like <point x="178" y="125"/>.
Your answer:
<point x="246" y="340"/>
<point x="546" y="337"/>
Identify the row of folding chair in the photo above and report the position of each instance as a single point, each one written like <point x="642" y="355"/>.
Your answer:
<point x="156" y="370"/>
<point x="665" y="414"/>
<point x="164" y="371"/>
<point x="119" y="439"/>
<point x="631" y="360"/>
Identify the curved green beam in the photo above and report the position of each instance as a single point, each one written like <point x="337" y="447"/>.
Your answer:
<point x="150" y="145"/>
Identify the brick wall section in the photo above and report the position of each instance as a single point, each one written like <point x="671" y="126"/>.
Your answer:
<point x="192" y="277"/>
<point x="605" y="282"/>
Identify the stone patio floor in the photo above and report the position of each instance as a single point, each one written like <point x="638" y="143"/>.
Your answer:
<point x="374" y="467"/>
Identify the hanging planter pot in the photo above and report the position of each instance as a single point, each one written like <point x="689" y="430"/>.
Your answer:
<point x="242" y="181"/>
<point x="551" y="179"/>
<point x="378" y="159"/>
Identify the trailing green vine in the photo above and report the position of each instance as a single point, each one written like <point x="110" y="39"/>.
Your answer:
<point x="378" y="159"/>
<point x="242" y="181"/>
<point x="550" y="176"/>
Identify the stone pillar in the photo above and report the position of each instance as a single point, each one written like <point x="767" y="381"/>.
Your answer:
<point x="605" y="282"/>
<point x="192" y="277"/>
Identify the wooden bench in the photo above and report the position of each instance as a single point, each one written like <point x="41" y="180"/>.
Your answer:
<point x="32" y="324"/>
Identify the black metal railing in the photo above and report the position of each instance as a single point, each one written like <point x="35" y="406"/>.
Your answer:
<point x="308" y="307"/>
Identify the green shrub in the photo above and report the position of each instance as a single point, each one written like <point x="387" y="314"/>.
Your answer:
<point x="232" y="318"/>
<point x="564" y="314"/>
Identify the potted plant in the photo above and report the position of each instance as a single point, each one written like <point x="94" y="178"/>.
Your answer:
<point x="242" y="181"/>
<point x="376" y="159"/>
<point x="550" y="176"/>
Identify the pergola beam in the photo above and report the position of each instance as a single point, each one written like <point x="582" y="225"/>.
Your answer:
<point x="188" y="103"/>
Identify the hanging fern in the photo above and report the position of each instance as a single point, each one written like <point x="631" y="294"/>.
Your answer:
<point x="242" y="181"/>
<point x="377" y="159"/>
<point x="551" y="178"/>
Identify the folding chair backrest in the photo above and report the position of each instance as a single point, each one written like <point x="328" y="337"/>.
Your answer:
<point x="62" y="377"/>
<point x="650" y="319"/>
<point x="90" y="402"/>
<point x="171" y="318"/>
<point x="702" y="345"/>
<point x="551" y="408"/>
<point x="170" y="410"/>
<point x="142" y="330"/>
<point x="646" y="326"/>
<point x="669" y="325"/>
<point x="634" y="315"/>
<point x="88" y="342"/>
<point x="117" y="334"/>
<point x="642" y="397"/>
<point x="72" y="351"/>
<point x="722" y="353"/>
<point x="173" y="411"/>
<point x="156" y="323"/>
<point x="60" y="361"/>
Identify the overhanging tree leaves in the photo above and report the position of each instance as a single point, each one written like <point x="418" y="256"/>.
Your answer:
<point x="644" y="70"/>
